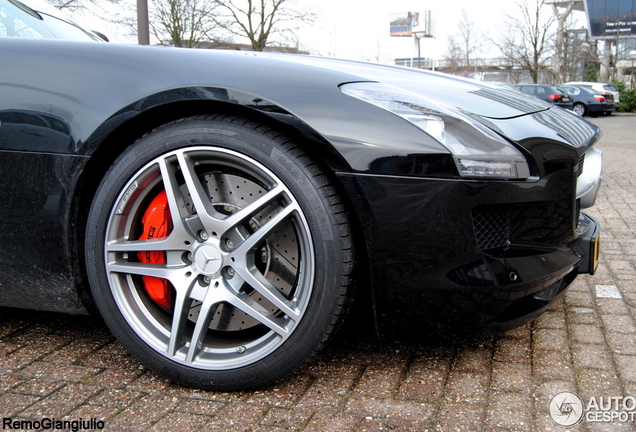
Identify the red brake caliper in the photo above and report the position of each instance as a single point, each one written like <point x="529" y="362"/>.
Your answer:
<point x="157" y="223"/>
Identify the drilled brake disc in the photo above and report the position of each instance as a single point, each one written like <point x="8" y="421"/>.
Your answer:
<point x="277" y="258"/>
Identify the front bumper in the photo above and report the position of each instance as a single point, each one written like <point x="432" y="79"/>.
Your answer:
<point x="430" y="269"/>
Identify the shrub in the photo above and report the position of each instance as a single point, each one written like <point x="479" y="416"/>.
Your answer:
<point x="628" y="101"/>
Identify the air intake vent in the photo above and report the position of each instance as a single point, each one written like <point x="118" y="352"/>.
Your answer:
<point x="492" y="226"/>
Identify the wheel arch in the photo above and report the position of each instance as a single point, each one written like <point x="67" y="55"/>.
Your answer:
<point x="131" y="123"/>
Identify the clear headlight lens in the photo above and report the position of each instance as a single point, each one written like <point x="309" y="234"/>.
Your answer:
<point x="478" y="151"/>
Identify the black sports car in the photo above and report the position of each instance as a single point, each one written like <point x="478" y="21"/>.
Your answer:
<point x="218" y="207"/>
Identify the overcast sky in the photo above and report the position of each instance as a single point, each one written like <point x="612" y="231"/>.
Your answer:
<point x="359" y="29"/>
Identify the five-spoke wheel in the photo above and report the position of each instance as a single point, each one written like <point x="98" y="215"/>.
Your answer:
<point x="209" y="255"/>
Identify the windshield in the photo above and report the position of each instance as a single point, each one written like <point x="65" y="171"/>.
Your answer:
<point x="20" y="20"/>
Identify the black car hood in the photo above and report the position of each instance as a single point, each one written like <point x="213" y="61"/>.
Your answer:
<point x="467" y="95"/>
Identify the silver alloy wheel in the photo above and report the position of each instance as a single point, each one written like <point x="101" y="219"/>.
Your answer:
<point x="579" y="109"/>
<point x="238" y="294"/>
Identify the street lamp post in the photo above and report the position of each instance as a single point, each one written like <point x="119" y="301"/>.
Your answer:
<point x="632" y="55"/>
<point x="419" y="33"/>
<point x="143" y="28"/>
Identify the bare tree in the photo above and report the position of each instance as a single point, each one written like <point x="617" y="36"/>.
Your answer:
<point x="464" y="46"/>
<point x="73" y="6"/>
<point x="68" y="5"/>
<point x="525" y="41"/>
<point x="468" y="39"/>
<point x="571" y="67"/>
<point x="258" y="20"/>
<point x="182" y="23"/>
<point x="561" y="11"/>
<point x="453" y="56"/>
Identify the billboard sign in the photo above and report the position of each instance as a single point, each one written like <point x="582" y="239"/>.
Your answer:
<point x="609" y="19"/>
<point x="402" y="24"/>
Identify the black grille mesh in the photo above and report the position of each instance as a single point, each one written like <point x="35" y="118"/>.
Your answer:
<point x="580" y="167"/>
<point x="538" y="223"/>
<point x="492" y="226"/>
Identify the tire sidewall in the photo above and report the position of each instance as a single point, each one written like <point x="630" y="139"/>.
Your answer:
<point x="274" y="153"/>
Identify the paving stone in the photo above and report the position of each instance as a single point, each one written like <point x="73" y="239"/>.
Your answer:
<point x="473" y="359"/>
<point x="586" y="334"/>
<point x="595" y="382"/>
<point x="554" y="365"/>
<point x="422" y="383"/>
<point x="379" y="381"/>
<point x="612" y="307"/>
<point x="61" y="402"/>
<point x="509" y="411"/>
<point x="98" y="413"/>
<point x="13" y="403"/>
<point x="284" y="394"/>
<point x="460" y="417"/>
<point x="10" y="380"/>
<point x="592" y="356"/>
<point x="39" y="387"/>
<point x="524" y="331"/>
<point x="393" y="425"/>
<point x="551" y="320"/>
<point x="340" y="422"/>
<point x="53" y="371"/>
<point x="384" y="408"/>
<point x="143" y="413"/>
<point x="116" y="398"/>
<point x="179" y="422"/>
<point x="622" y="344"/>
<point x="466" y="387"/>
<point x="550" y="339"/>
<point x="626" y="367"/>
<point x="511" y="350"/>
<point x="619" y="323"/>
<point x="578" y="299"/>
<point x="287" y="418"/>
<point x="237" y="416"/>
<point x="326" y="395"/>
<point x="511" y="377"/>
<point x="117" y="378"/>
<point x="197" y="406"/>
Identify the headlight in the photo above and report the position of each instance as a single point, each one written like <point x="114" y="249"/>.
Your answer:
<point x="478" y="151"/>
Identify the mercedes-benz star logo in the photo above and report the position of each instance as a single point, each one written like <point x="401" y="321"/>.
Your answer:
<point x="566" y="409"/>
<point x="208" y="259"/>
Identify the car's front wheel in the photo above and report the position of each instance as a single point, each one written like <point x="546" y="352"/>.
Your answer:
<point x="219" y="253"/>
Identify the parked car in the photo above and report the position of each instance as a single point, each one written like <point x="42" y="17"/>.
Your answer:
<point x="589" y="102"/>
<point x="217" y="208"/>
<point x="599" y="87"/>
<point x="547" y="93"/>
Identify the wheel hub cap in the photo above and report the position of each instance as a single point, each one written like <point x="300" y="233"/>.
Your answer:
<point x="208" y="259"/>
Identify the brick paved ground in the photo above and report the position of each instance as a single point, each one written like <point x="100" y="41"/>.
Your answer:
<point x="64" y="367"/>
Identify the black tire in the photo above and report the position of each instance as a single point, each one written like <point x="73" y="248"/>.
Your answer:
<point x="580" y="109"/>
<point x="260" y="246"/>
